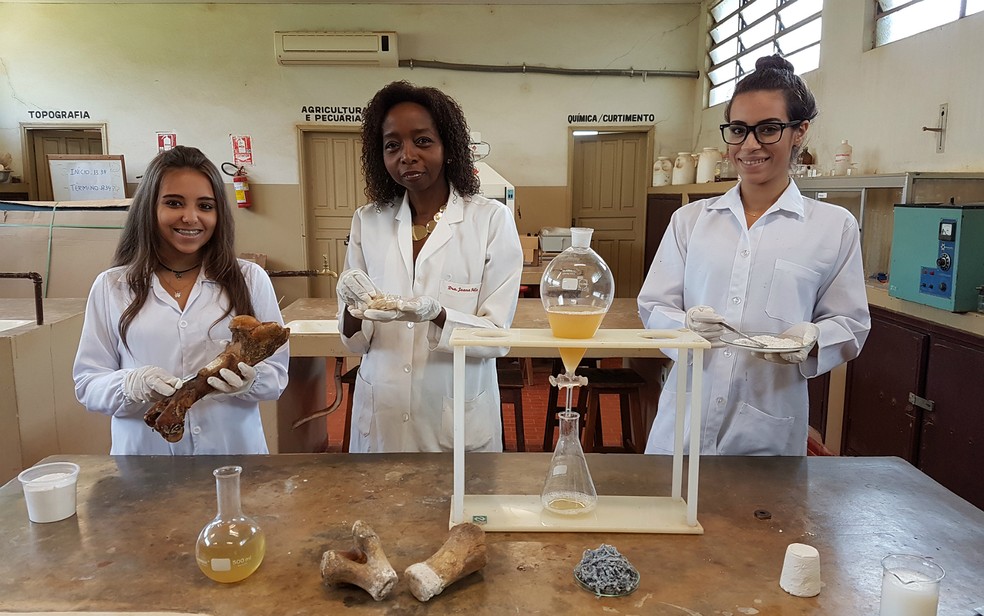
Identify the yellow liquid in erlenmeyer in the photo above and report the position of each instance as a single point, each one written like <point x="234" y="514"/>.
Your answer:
<point x="574" y="322"/>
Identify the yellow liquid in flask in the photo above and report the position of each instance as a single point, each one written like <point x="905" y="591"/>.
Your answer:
<point x="574" y="322"/>
<point x="230" y="551"/>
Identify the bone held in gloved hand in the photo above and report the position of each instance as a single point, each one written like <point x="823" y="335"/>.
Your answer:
<point x="462" y="554"/>
<point x="252" y="342"/>
<point x="365" y="566"/>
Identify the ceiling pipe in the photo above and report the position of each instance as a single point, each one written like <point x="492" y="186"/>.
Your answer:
<point x="548" y="70"/>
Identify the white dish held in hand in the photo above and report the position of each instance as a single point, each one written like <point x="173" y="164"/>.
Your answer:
<point x="774" y="343"/>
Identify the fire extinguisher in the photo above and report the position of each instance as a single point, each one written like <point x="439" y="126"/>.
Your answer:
<point x="240" y="183"/>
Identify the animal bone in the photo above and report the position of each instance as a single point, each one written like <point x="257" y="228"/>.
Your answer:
<point x="365" y="566"/>
<point x="462" y="554"/>
<point x="252" y="342"/>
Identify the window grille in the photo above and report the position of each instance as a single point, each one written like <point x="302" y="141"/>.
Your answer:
<point x="899" y="19"/>
<point x="742" y="31"/>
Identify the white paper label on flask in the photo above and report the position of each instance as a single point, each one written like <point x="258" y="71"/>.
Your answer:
<point x="569" y="284"/>
<point x="560" y="469"/>
<point x="221" y="564"/>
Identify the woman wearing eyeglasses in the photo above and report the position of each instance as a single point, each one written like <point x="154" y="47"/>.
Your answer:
<point x="762" y="258"/>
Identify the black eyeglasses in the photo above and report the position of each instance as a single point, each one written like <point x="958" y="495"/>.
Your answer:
<point x="765" y="132"/>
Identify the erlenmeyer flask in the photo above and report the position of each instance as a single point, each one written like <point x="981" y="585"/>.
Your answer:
<point x="577" y="290"/>
<point x="231" y="546"/>
<point x="568" y="489"/>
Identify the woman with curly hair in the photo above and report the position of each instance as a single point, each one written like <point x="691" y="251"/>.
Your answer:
<point x="163" y="310"/>
<point x="426" y="255"/>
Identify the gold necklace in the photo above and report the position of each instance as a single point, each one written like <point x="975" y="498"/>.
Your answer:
<point x="419" y="232"/>
<point x="175" y="292"/>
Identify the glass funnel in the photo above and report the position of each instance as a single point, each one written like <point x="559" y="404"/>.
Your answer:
<point x="577" y="289"/>
<point x="568" y="489"/>
<point x="230" y="547"/>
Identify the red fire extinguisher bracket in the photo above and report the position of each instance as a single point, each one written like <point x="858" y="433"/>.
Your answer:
<point x="241" y="184"/>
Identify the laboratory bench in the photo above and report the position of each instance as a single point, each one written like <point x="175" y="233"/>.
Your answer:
<point x="131" y="546"/>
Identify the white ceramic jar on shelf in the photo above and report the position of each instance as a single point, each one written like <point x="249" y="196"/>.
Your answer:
<point x="684" y="168"/>
<point x="662" y="171"/>
<point x="707" y="164"/>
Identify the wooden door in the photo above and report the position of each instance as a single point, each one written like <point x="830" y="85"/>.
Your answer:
<point x="334" y="188"/>
<point x="608" y="194"/>
<point x="952" y="433"/>
<point x="878" y="418"/>
<point x="60" y="142"/>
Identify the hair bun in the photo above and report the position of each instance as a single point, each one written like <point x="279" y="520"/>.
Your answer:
<point x="775" y="62"/>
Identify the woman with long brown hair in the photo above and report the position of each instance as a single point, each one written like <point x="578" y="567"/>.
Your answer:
<point x="163" y="310"/>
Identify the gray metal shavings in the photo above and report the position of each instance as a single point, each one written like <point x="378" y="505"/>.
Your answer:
<point x="606" y="572"/>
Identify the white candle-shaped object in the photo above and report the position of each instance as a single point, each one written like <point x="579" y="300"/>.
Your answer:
<point x="801" y="570"/>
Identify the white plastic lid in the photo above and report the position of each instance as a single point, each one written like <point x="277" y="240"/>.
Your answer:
<point x="581" y="237"/>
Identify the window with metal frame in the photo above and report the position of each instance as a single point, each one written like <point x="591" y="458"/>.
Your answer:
<point x="742" y="31"/>
<point x="899" y="19"/>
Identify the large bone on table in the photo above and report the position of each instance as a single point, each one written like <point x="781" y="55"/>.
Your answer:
<point x="462" y="554"/>
<point x="252" y="342"/>
<point x="365" y="566"/>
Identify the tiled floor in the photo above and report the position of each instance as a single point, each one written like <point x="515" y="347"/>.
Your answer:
<point x="534" y="413"/>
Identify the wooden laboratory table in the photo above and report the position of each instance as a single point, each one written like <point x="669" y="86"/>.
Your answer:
<point x="131" y="546"/>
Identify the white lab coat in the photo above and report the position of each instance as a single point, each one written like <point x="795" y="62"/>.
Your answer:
<point x="181" y="342"/>
<point x="800" y="262"/>
<point x="471" y="263"/>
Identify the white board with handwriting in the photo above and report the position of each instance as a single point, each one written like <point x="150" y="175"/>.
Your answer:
<point x="87" y="178"/>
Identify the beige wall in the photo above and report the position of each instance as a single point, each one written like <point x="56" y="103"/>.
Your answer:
<point x="205" y="71"/>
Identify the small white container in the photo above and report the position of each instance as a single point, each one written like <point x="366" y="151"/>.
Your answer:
<point x="684" y="169"/>
<point x="707" y="165"/>
<point x="662" y="171"/>
<point x="49" y="490"/>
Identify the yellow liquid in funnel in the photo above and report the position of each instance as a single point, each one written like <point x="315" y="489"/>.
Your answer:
<point x="574" y="322"/>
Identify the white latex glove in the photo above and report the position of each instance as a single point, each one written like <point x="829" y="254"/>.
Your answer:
<point x="415" y="309"/>
<point x="232" y="383"/>
<point x="808" y="332"/>
<point x="356" y="289"/>
<point x="150" y="383"/>
<point x="703" y="321"/>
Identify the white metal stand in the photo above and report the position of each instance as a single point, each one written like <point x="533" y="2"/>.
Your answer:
<point x="626" y="514"/>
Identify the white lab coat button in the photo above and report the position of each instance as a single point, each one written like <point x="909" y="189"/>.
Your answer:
<point x="409" y="325"/>
<point x="407" y="368"/>
<point x="735" y="300"/>
<point x="720" y="400"/>
<point x="745" y="253"/>
<point x="728" y="353"/>
<point x="196" y="430"/>
<point x="406" y="417"/>
<point x="183" y="323"/>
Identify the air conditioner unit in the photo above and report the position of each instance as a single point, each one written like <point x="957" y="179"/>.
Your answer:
<point x="337" y="48"/>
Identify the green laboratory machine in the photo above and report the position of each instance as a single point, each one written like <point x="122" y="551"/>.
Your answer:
<point x="938" y="255"/>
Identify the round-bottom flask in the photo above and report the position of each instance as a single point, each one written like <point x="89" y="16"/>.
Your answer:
<point x="568" y="489"/>
<point x="230" y="547"/>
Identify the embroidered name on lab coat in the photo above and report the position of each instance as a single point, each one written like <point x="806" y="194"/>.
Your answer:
<point x="452" y="287"/>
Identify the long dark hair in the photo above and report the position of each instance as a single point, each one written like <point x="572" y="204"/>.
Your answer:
<point x="777" y="74"/>
<point x="140" y="241"/>
<point x="451" y="126"/>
